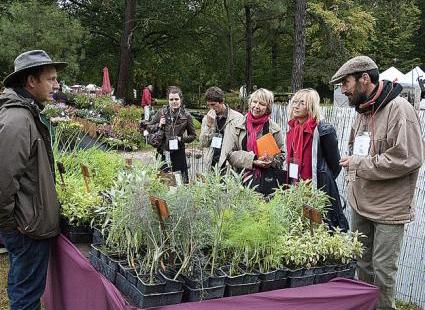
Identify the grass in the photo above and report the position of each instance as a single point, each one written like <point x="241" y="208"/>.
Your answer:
<point x="4" y="304"/>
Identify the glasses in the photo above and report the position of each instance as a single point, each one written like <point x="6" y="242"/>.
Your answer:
<point x="298" y="103"/>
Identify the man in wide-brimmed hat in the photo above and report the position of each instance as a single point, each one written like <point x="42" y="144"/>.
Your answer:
<point x="29" y="209"/>
<point x="387" y="152"/>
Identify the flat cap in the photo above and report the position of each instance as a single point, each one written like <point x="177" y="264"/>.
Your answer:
<point x="354" y="65"/>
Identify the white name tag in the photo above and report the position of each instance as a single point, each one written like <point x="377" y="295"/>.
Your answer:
<point x="361" y="145"/>
<point x="293" y="171"/>
<point x="216" y="142"/>
<point x="173" y="144"/>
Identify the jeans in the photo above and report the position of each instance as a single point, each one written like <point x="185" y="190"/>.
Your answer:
<point x="28" y="260"/>
<point x="378" y="264"/>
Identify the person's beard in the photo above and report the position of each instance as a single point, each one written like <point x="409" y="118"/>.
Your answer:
<point x="358" y="97"/>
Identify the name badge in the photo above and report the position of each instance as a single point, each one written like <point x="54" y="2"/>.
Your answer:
<point x="173" y="144"/>
<point x="217" y="141"/>
<point x="361" y="144"/>
<point x="293" y="171"/>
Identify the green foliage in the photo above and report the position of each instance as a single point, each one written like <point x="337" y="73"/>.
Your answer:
<point x="83" y="101"/>
<point x="34" y="25"/>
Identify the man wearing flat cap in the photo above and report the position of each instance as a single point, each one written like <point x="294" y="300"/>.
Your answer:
<point x="29" y="209"/>
<point x="386" y="153"/>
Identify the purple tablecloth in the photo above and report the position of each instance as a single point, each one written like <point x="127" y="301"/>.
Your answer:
<point x="72" y="283"/>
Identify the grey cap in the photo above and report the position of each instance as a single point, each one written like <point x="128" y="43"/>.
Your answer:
<point x="354" y="65"/>
<point x="31" y="59"/>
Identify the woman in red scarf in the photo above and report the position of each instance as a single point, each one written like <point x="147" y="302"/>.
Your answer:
<point x="239" y="147"/>
<point x="312" y="151"/>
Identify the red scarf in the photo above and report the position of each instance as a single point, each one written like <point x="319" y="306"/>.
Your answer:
<point x="299" y="143"/>
<point x="254" y="126"/>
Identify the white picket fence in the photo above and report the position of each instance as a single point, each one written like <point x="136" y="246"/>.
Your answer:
<point x="411" y="273"/>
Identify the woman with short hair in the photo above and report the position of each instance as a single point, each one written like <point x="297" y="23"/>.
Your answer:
<point x="240" y="145"/>
<point x="312" y="151"/>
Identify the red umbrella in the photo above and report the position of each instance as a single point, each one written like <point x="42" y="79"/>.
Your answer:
<point x="106" y="84"/>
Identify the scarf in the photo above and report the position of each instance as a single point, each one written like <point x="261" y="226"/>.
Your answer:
<point x="253" y="127"/>
<point x="299" y="145"/>
<point x="383" y="93"/>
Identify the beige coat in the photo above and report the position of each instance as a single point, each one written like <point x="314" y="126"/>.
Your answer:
<point x="382" y="184"/>
<point x="232" y="145"/>
<point x="207" y="132"/>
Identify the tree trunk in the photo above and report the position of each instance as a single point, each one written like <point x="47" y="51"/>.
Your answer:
<point x="248" y="51"/>
<point x="299" y="45"/>
<point x="231" y="59"/>
<point x="274" y="55"/>
<point x="125" y="49"/>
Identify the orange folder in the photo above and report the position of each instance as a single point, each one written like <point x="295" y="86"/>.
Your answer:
<point x="267" y="146"/>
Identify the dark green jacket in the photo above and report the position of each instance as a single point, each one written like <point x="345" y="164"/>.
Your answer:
<point x="28" y="198"/>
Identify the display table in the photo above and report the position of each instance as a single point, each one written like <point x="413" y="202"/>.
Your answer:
<point x="72" y="283"/>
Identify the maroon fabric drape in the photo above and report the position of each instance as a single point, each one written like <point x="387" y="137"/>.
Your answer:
<point x="72" y="284"/>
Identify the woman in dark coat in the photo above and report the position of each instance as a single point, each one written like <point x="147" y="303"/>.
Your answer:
<point x="174" y="121"/>
<point x="312" y="152"/>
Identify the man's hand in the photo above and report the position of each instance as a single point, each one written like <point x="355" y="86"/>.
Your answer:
<point x="211" y="115"/>
<point x="345" y="161"/>
<point x="162" y="121"/>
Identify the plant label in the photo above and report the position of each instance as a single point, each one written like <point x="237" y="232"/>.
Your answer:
<point x="293" y="171"/>
<point x="145" y="133"/>
<point x="217" y="141"/>
<point x="173" y="144"/>
<point x="312" y="214"/>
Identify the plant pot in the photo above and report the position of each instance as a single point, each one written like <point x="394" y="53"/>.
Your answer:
<point x="296" y="272"/>
<point x="347" y="273"/>
<point x="245" y="283"/>
<point x="138" y="299"/>
<point x="158" y="285"/>
<point x="76" y="234"/>
<point x="98" y="238"/>
<point x="202" y="289"/>
<point x="242" y="289"/>
<point x="269" y="280"/>
<point x="171" y="285"/>
<point x="325" y="277"/>
<point x="301" y="280"/>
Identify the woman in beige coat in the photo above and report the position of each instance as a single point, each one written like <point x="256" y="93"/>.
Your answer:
<point x="240" y="144"/>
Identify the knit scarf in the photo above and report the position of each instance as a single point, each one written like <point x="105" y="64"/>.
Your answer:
<point x="254" y="126"/>
<point x="299" y="145"/>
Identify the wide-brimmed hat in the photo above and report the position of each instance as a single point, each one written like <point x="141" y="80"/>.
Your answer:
<point x="354" y="65"/>
<point x="31" y="59"/>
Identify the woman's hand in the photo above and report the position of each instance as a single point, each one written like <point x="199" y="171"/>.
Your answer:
<point x="263" y="162"/>
<point x="162" y="121"/>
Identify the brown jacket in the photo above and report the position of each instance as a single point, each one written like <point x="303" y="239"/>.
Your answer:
<point x="175" y="126"/>
<point x="382" y="184"/>
<point x="231" y="149"/>
<point x="27" y="189"/>
<point x="207" y="132"/>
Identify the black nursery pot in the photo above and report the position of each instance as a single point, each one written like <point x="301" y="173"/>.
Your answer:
<point x="76" y="234"/>
<point x="301" y="277"/>
<point x="210" y="287"/>
<point x="138" y="299"/>
<point x="246" y="283"/>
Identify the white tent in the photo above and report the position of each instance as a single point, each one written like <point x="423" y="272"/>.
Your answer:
<point x="411" y="77"/>
<point x="391" y="74"/>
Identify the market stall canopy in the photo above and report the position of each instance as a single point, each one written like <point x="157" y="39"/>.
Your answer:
<point x="411" y="77"/>
<point x="391" y="74"/>
<point x="106" y="84"/>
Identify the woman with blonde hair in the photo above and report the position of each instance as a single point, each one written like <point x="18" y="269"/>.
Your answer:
<point x="312" y="151"/>
<point x="240" y="149"/>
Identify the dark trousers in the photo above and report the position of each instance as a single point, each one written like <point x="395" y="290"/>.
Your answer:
<point x="178" y="163"/>
<point x="28" y="260"/>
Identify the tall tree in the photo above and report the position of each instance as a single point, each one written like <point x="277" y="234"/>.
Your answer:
<point x="125" y="49"/>
<point x="299" y="45"/>
<point x="248" y="47"/>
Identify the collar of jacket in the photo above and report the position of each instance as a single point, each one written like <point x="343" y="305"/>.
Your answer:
<point x="389" y="91"/>
<point x="13" y="98"/>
